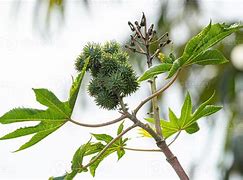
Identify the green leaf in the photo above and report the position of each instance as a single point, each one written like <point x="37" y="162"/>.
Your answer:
<point x="120" y="153"/>
<point x="200" y="43"/>
<point x="77" y="162"/>
<point x="56" y="115"/>
<point x="76" y="85"/>
<point x="120" y="128"/>
<point x="186" y="110"/>
<point x="94" y="148"/>
<point x="94" y="166"/>
<point x="203" y="105"/>
<point x="155" y="70"/>
<point x="58" y="178"/>
<point x="42" y="126"/>
<point x="169" y="128"/>
<point x="210" y="57"/>
<point x="39" y="136"/>
<point x="103" y="137"/>
<point x="192" y="129"/>
<point x="208" y="110"/>
<point x="27" y="114"/>
<point x="48" y="99"/>
<point x="50" y="119"/>
<point x="187" y="120"/>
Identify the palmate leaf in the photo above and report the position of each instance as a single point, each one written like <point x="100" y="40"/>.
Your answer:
<point x="188" y="119"/>
<point x="51" y="119"/>
<point x="199" y="44"/>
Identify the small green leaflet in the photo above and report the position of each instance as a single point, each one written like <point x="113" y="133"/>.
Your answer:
<point x="155" y="70"/>
<point x="28" y="114"/>
<point x="51" y="119"/>
<point x="77" y="162"/>
<point x="47" y="98"/>
<point x="188" y="119"/>
<point x="120" y="128"/>
<point x="201" y="43"/>
<point x="210" y="57"/>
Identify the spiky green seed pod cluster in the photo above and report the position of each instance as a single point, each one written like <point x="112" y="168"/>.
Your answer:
<point x="112" y="76"/>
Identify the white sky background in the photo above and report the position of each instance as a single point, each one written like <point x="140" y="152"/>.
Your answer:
<point x="27" y="61"/>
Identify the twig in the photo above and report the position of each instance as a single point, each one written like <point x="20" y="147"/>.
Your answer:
<point x="109" y="145"/>
<point x="161" y="37"/>
<point x="155" y="53"/>
<point x="139" y="47"/>
<point x="177" y="135"/>
<point x="134" y="50"/>
<point x="101" y="124"/>
<point x="156" y="93"/>
<point x="142" y="150"/>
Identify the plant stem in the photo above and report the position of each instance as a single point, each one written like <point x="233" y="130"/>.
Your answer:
<point x="156" y="93"/>
<point x="172" y="160"/>
<point x="101" y="124"/>
<point x="153" y="90"/>
<point x="109" y="145"/>
<point x="155" y="108"/>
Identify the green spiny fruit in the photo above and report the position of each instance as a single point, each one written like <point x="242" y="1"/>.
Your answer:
<point x="128" y="75"/>
<point x="108" y="66"/>
<point x="121" y="56"/>
<point x="96" y="85"/>
<point x="92" y="51"/>
<point x="79" y="63"/>
<point x="112" y="76"/>
<point x="107" y="100"/>
<point x="111" y="47"/>
<point x="115" y="82"/>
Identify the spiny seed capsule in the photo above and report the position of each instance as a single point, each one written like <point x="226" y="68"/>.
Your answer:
<point x="92" y="51"/>
<point x="112" y="76"/>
